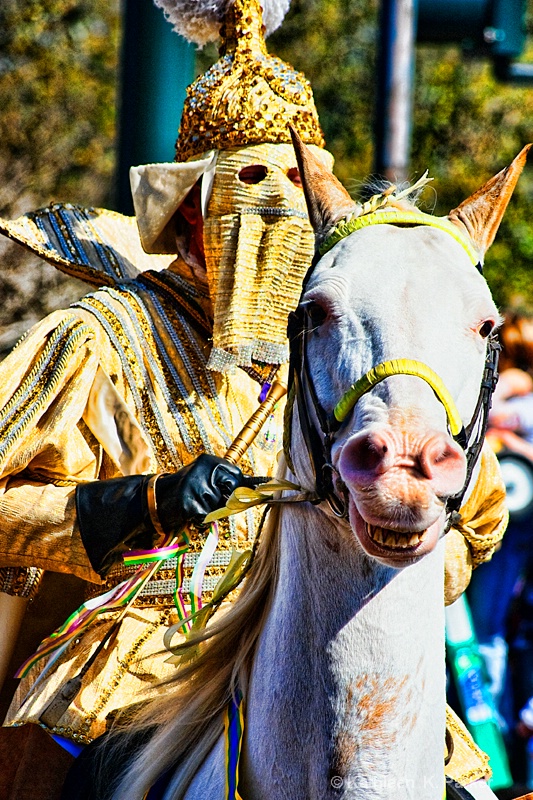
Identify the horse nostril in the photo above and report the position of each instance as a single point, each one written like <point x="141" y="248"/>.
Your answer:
<point x="440" y="459"/>
<point x="366" y="456"/>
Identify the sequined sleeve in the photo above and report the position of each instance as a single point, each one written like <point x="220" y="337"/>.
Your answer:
<point x="44" y="448"/>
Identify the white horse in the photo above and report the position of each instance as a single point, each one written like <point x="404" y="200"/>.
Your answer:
<point x="336" y="642"/>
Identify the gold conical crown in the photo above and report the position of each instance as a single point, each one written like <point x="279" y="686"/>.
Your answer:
<point x="248" y="96"/>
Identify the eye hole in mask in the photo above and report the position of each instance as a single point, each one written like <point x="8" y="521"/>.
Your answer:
<point x="254" y="173"/>
<point x="293" y="174"/>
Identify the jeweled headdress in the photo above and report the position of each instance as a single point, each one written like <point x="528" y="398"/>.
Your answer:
<point x="248" y="96"/>
<point x="257" y="239"/>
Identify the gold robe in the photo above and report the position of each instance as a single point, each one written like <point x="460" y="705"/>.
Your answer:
<point x="115" y="385"/>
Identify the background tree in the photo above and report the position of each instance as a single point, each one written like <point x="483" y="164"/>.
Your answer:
<point x="466" y="125"/>
<point x="58" y="65"/>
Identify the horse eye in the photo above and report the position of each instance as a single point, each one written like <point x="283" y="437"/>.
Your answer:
<point x="317" y="314"/>
<point x="486" y="329"/>
<point x="255" y="173"/>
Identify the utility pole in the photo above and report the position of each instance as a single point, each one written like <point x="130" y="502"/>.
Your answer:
<point x="156" y="67"/>
<point x="394" y="102"/>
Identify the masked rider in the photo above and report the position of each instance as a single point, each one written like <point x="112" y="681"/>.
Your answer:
<point x="158" y="370"/>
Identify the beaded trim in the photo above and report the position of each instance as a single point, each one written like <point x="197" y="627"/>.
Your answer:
<point x="274" y="211"/>
<point x="20" y="581"/>
<point x="159" y="591"/>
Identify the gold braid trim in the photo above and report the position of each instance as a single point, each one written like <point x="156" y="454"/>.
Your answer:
<point x="484" y="516"/>
<point x="122" y="343"/>
<point x="477" y="535"/>
<point x="20" y="581"/>
<point x="122" y="667"/>
<point x="40" y="386"/>
<point x="467" y="763"/>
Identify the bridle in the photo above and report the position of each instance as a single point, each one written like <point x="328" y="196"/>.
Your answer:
<point x="319" y="427"/>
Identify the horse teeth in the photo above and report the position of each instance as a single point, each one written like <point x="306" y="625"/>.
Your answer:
<point x="392" y="538"/>
<point x="405" y="542"/>
<point x="376" y="534"/>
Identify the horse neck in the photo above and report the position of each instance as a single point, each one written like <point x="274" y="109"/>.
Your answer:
<point x="347" y="687"/>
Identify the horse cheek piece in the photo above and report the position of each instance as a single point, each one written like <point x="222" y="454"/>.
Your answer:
<point x="370" y="453"/>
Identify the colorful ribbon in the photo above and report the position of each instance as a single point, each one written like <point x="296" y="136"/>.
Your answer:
<point x="114" y="599"/>
<point x="126" y="591"/>
<point x="233" y="732"/>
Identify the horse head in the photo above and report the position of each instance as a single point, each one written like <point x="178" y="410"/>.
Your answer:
<point x="389" y="351"/>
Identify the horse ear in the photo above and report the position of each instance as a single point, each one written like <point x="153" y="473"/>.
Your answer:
<point x="482" y="213"/>
<point x="327" y="199"/>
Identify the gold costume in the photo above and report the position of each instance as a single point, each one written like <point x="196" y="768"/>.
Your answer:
<point x="115" y="385"/>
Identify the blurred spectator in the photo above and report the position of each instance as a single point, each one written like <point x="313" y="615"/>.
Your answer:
<point x="495" y="584"/>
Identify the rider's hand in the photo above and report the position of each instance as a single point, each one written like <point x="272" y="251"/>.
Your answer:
<point x="113" y="515"/>
<point x="196" y="490"/>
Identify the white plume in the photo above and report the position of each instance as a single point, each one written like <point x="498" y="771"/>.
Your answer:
<point x="199" y="21"/>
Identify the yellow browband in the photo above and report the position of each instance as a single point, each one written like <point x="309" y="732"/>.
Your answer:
<point x="396" y="216"/>
<point x="399" y="366"/>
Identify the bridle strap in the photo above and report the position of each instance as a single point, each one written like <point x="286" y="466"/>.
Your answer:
<point x="302" y="388"/>
<point x="401" y="366"/>
<point x="480" y="418"/>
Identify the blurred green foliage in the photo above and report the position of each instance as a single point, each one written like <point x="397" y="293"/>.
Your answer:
<point x="58" y="63"/>
<point x="466" y="125"/>
<point x="58" y="71"/>
<point x="58" y="67"/>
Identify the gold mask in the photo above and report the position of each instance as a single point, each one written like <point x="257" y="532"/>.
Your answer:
<point x="258" y="247"/>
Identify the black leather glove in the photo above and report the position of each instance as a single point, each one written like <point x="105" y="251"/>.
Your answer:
<point x="197" y="489"/>
<point x="113" y="515"/>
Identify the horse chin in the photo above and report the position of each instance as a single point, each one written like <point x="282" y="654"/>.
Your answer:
<point x="394" y="548"/>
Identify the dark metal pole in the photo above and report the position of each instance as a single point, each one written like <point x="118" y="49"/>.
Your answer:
<point x="157" y="65"/>
<point x="394" y="101"/>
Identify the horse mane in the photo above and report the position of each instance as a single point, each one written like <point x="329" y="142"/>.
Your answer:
<point x="183" y="723"/>
<point x="376" y="193"/>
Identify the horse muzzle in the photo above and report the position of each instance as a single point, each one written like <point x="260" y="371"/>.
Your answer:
<point x="392" y="547"/>
<point x="398" y="480"/>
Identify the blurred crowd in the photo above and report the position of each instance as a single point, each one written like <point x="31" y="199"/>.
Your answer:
<point x="500" y="595"/>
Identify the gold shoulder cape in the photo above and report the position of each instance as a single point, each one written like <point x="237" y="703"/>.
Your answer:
<point x="95" y="245"/>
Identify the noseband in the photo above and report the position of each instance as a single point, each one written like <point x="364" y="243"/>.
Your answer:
<point x="319" y="428"/>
